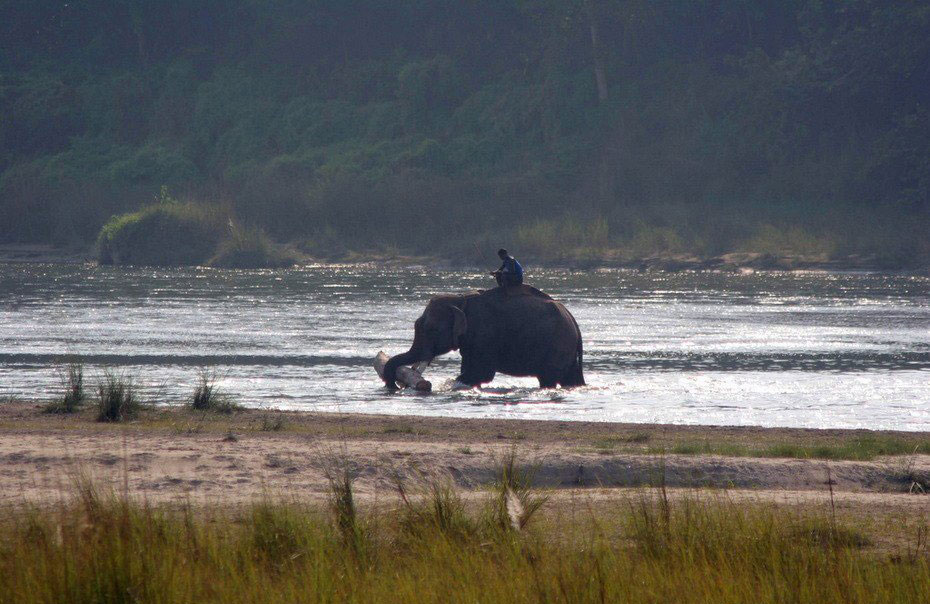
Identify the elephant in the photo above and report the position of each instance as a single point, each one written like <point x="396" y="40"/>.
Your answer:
<point x="515" y="330"/>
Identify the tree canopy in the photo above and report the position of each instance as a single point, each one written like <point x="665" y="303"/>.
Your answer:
<point x="692" y="124"/>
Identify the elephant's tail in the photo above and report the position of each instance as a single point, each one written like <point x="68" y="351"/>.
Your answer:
<point x="578" y="373"/>
<point x="575" y="375"/>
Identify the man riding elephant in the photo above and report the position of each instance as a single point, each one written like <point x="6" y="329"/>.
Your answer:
<point x="517" y="330"/>
<point x="510" y="272"/>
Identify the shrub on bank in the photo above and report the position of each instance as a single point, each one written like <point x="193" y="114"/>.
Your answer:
<point x="171" y="233"/>
<point x="250" y="248"/>
<point x="168" y="233"/>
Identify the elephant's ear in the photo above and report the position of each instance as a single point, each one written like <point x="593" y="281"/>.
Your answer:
<point x="459" y="326"/>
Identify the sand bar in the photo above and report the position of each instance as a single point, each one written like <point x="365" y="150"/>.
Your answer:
<point x="176" y="454"/>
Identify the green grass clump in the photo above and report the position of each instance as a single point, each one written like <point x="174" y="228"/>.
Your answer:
<point x="167" y="233"/>
<point x="250" y="248"/>
<point x="208" y="397"/>
<point x="117" y="399"/>
<point x="434" y="506"/>
<point x="98" y="547"/>
<point x="609" y="444"/>
<point x="353" y="534"/>
<point x="74" y="396"/>
<point x="865" y="448"/>
<point x="272" y="423"/>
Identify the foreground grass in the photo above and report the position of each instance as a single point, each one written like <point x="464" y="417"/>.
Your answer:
<point x="97" y="547"/>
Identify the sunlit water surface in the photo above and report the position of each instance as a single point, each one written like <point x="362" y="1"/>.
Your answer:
<point x="772" y="349"/>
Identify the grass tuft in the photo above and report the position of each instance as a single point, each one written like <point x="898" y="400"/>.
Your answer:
<point x="208" y="397"/>
<point x="276" y="530"/>
<point x="74" y="396"/>
<point x="342" y="505"/>
<point x="435" y="507"/>
<point x="272" y="423"/>
<point x="117" y="399"/>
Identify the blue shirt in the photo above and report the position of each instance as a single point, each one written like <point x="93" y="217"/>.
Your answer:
<point x="511" y="265"/>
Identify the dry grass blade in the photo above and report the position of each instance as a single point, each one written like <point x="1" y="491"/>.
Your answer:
<point x="515" y="501"/>
<point x="515" y="510"/>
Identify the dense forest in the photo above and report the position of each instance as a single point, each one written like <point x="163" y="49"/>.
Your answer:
<point x="563" y="128"/>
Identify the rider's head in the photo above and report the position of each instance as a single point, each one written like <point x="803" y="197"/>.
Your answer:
<point x="502" y="253"/>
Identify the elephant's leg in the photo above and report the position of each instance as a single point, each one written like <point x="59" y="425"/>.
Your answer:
<point x="574" y="377"/>
<point x="547" y="382"/>
<point x="476" y="379"/>
<point x="475" y="373"/>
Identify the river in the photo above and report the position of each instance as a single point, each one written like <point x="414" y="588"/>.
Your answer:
<point x="823" y="350"/>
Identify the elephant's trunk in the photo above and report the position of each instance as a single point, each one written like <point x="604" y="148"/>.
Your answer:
<point x="407" y="358"/>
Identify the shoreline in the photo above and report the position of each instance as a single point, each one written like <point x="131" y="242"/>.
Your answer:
<point x="742" y="262"/>
<point x="177" y="454"/>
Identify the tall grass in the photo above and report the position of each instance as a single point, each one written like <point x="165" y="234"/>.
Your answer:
<point x="97" y="547"/>
<point x="770" y="239"/>
<point x="74" y="396"/>
<point x="117" y="399"/>
<point x="207" y="395"/>
<point x="433" y="506"/>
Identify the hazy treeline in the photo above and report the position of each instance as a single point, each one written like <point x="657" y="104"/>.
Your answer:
<point x="551" y="125"/>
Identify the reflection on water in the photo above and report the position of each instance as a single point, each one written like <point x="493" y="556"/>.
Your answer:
<point x="803" y="349"/>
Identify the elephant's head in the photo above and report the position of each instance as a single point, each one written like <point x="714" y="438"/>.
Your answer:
<point x="436" y="332"/>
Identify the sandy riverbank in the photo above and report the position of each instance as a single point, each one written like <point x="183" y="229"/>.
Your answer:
<point x="174" y="454"/>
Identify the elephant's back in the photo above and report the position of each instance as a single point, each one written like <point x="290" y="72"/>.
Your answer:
<point x="557" y="319"/>
<point x="514" y="291"/>
<point x="525" y="307"/>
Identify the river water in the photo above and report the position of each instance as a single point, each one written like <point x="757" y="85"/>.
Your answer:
<point x="819" y="350"/>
